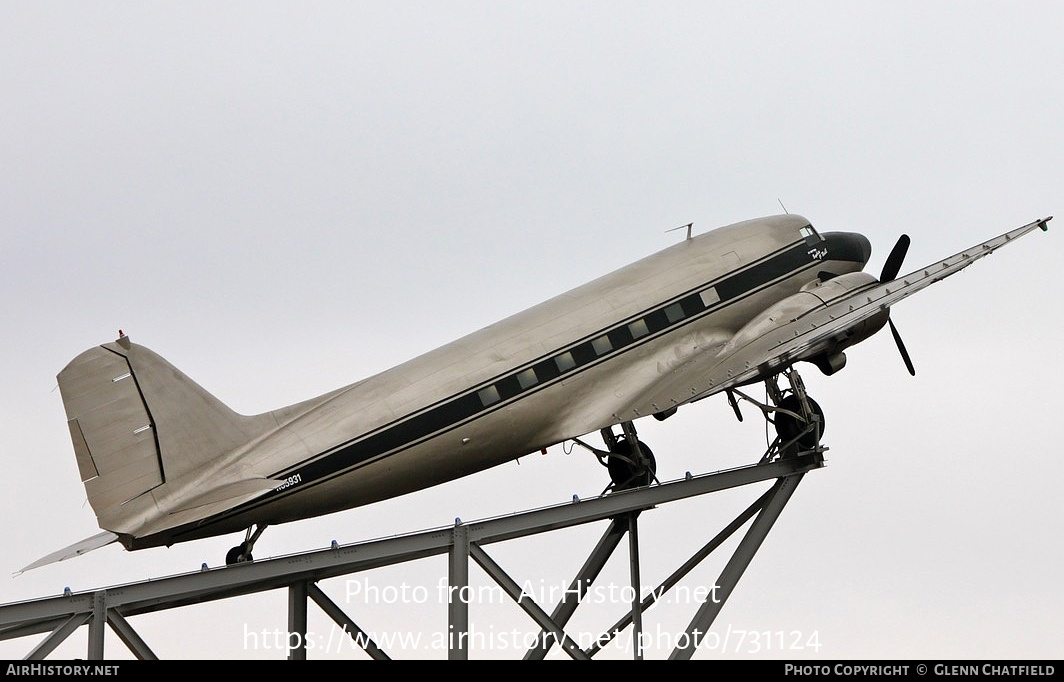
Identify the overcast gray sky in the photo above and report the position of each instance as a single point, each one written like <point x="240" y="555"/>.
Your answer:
<point x="283" y="197"/>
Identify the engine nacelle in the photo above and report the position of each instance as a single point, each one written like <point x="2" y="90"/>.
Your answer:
<point x="828" y="355"/>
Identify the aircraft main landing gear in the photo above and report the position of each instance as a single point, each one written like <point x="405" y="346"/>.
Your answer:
<point x="792" y="428"/>
<point x="797" y="418"/>
<point x="630" y="462"/>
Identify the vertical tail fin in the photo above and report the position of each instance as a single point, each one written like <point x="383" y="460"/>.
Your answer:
<point x="136" y="421"/>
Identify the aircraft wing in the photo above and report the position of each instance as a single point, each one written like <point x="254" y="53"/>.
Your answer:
<point x="811" y="332"/>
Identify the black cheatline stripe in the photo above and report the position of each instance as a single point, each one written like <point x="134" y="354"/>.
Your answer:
<point x="690" y="300"/>
<point x="453" y="412"/>
<point x="454" y="409"/>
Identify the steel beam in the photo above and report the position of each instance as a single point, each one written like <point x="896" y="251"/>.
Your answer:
<point x="677" y="575"/>
<point x="527" y="604"/>
<point x="57" y="636"/>
<point x="56" y="614"/>
<point x="97" y="626"/>
<point x="297" y="621"/>
<point x="729" y="577"/>
<point x="608" y="506"/>
<point x="458" y="595"/>
<point x="129" y="636"/>
<point x="579" y="586"/>
<point x="633" y="570"/>
<point x="357" y="634"/>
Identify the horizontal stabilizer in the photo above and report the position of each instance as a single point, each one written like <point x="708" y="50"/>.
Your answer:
<point x="76" y="549"/>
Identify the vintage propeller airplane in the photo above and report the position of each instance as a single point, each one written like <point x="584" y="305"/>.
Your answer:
<point x="164" y="461"/>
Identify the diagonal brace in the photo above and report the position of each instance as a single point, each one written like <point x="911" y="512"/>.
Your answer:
<point x="525" y="602"/>
<point x="678" y="575"/>
<point x="360" y="636"/>
<point x="579" y="586"/>
<point x="779" y="494"/>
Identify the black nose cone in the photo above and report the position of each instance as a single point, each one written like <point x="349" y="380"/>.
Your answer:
<point x="848" y="246"/>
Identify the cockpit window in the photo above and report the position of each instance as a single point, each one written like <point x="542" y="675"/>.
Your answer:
<point x="810" y="235"/>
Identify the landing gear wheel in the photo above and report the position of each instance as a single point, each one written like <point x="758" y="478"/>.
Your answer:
<point x="788" y="428"/>
<point x="239" y="554"/>
<point x="242" y="552"/>
<point x="625" y="471"/>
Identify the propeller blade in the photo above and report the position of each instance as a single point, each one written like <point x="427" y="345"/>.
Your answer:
<point x="901" y="347"/>
<point x="894" y="260"/>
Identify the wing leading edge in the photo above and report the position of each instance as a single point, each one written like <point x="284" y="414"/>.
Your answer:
<point x="802" y="335"/>
<point x="810" y="333"/>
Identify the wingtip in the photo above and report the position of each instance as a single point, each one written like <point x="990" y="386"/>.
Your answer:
<point x="1042" y="223"/>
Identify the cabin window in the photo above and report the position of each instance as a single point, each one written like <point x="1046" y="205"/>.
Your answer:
<point x="709" y="297"/>
<point x="674" y="313"/>
<point x="565" y="362"/>
<point x="602" y="345"/>
<point x="638" y="328"/>
<point x="488" y="395"/>
<point x="527" y="378"/>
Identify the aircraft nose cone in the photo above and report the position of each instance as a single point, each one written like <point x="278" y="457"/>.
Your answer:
<point x="864" y="246"/>
<point x="849" y="246"/>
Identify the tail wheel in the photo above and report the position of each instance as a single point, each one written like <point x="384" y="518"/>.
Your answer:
<point x="239" y="554"/>
<point x="788" y="428"/>
<point x="626" y="470"/>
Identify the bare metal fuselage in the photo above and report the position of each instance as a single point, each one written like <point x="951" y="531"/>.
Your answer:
<point x="490" y="397"/>
<point x="164" y="461"/>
